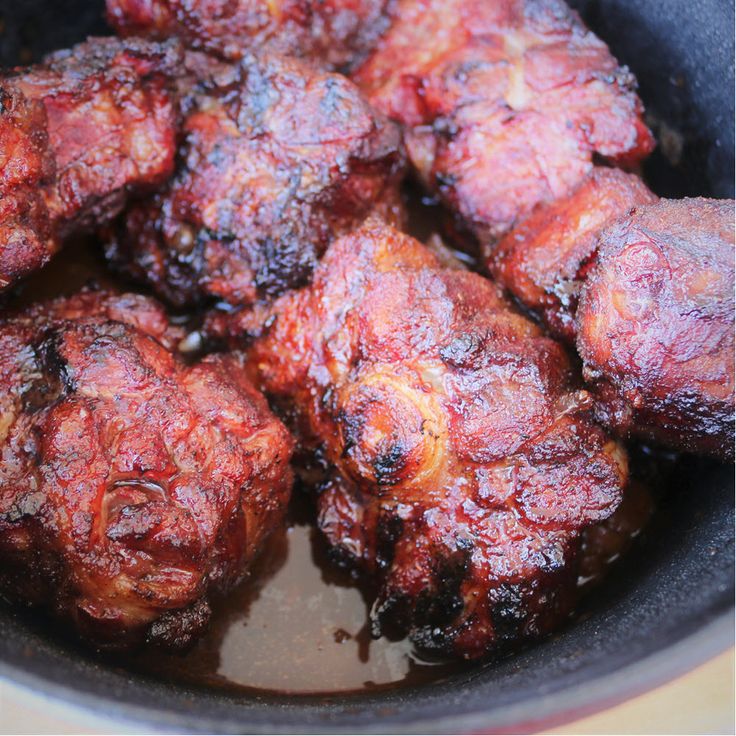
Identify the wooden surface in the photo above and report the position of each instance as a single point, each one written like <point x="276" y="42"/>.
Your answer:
<point x="701" y="702"/>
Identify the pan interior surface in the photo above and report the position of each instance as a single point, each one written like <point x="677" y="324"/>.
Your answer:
<point x="668" y="608"/>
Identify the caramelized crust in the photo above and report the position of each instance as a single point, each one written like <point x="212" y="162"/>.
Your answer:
<point x="334" y="32"/>
<point x="278" y="159"/>
<point x="26" y="169"/>
<point x="77" y="134"/>
<point x="605" y="543"/>
<point x="505" y="103"/>
<point x="461" y="463"/>
<point x="656" y="326"/>
<point x="131" y="485"/>
<point x="543" y="260"/>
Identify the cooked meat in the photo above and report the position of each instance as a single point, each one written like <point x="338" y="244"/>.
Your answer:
<point x="77" y="134"/>
<point x="131" y="485"/>
<point x="657" y="328"/>
<point x="278" y="159"/>
<point x="543" y="260"/>
<point x="656" y="325"/>
<point x="607" y="542"/>
<point x="461" y="464"/>
<point x="505" y="103"/>
<point x="26" y="169"/>
<point x="334" y="32"/>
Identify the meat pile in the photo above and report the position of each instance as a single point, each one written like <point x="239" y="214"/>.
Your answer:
<point x="244" y="161"/>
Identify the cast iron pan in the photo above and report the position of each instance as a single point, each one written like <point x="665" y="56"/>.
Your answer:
<point x="668" y="609"/>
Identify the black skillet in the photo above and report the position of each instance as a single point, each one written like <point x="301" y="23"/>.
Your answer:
<point x="668" y="609"/>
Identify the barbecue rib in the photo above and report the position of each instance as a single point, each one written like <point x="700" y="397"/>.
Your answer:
<point x="78" y="133"/>
<point x="461" y="463"/>
<point x="505" y="104"/>
<point x="655" y="325"/>
<point x="545" y="258"/>
<point x="333" y="32"/>
<point x="131" y="485"/>
<point x="278" y="159"/>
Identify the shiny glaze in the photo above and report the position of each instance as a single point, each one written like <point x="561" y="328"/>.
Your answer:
<point x="80" y="133"/>
<point x="656" y="326"/>
<point x="505" y="104"/>
<point x="461" y="463"/>
<point x="132" y="485"/>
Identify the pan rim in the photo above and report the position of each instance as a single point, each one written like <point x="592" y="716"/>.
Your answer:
<point x="571" y="702"/>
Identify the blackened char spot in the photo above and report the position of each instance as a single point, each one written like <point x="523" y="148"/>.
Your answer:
<point x="507" y="611"/>
<point x="389" y="463"/>
<point x="342" y="557"/>
<point x="284" y="263"/>
<point x="437" y="608"/>
<point x="177" y="630"/>
<point x="390" y="615"/>
<point x="48" y="378"/>
<point x="388" y="530"/>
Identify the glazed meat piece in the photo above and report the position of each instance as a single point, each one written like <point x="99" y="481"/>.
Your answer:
<point x="544" y="260"/>
<point x="131" y="485"/>
<point x="607" y="542"/>
<point x="26" y="169"/>
<point x="334" y="32"/>
<point x="505" y="103"/>
<point x="656" y="326"/>
<point x="77" y="134"/>
<point x="461" y="463"/>
<point x="278" y="159"/>
<point x="657" y="329"/>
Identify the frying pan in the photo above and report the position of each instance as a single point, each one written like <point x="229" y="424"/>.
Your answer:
<point x="666" y="611"/>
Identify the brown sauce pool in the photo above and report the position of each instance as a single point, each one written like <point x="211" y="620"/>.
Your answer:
<point x="297" y="624"/>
